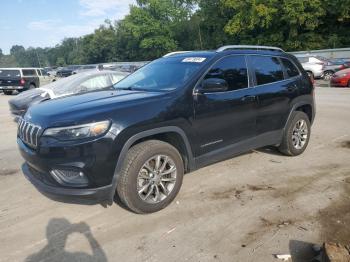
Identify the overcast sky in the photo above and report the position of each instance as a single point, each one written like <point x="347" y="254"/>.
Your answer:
<point x="43" y="23"/>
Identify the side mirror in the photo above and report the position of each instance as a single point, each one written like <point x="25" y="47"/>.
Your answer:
<point x="212" y="85"/>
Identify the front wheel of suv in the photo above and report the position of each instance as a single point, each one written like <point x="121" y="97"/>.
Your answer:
<point x="151" y="176"/>
<point x="296" y="135"/>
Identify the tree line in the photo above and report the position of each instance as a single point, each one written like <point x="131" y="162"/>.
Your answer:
<point x="155" y="27"/>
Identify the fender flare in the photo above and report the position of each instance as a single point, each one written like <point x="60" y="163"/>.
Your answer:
<point x="295" y="106"/>
<point x="139" y="136"/>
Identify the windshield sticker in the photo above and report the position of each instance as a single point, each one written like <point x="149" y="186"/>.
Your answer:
<point x="194" y="60"/>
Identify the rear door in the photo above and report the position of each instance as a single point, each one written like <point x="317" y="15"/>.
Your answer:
<point x="274" y="90"/>
<point x="225" y="118"/>
<point x="31" y="77"/>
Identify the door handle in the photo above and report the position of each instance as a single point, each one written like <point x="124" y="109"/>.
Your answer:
<point x="248" y="98"/>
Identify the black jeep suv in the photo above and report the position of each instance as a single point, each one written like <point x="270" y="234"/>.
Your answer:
<point x="174" y="115"/>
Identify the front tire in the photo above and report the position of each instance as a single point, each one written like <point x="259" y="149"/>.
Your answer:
<point x="8" y="93"/>
<point x="296" y="135"/>
<point x="328" y="75"/>
<point x="151" y="176"/>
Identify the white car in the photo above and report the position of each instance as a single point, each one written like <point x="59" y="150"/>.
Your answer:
<point x="313" y="65"/>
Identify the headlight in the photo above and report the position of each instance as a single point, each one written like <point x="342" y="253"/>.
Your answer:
<point x="78" y="132"/>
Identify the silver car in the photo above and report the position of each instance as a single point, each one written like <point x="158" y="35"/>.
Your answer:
<point x="313" y="65"/>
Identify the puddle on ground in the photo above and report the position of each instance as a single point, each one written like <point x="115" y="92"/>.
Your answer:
<point x="8" y="172"/>
<point x="335" y="219"/>
<point x="345" y="144"/>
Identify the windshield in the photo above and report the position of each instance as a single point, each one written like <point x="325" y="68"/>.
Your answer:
<point x="9" y="73"/>
<point x="161" y="75"/>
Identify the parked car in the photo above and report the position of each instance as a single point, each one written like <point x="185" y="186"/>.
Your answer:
<point x="341" y="78"/>
<point x="44" y="77"/>
<point x="76" y="84"/>
<point x="313" y="65"/>
<point x="67" y="71"/>
<point x="85" y="68"/>
<point x="18" y="79"/>
<point x="331" y="67"/>
<point x="172" y="116"/>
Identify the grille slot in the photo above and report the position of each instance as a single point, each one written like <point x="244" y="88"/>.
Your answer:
<point x="28" y="133"/>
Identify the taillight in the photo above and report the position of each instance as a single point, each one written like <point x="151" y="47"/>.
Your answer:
<point x="342" y="66"/>
<point x="22" y="82"/>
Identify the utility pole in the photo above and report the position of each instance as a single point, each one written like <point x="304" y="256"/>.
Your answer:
<point x="37" y="56"/>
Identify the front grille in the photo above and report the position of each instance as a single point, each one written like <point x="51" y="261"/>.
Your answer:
<point x="28" y="133"/>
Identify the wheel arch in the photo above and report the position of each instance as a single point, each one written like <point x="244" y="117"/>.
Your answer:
<point x="303" y="106"/>
<point x="170" y="134"/>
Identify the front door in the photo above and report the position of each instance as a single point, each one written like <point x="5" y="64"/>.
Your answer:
<point x="222" y="119"/>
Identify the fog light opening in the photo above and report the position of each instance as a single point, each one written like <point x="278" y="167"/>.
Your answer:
<point x="70" y="177"/>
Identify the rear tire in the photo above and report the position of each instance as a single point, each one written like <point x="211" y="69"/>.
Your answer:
<point x="296" y="135"/>
<point x="140" y="177"/>
<point x="8" y="93"/>
<point x="31" y="86"/>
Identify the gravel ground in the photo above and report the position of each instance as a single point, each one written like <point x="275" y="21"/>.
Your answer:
<point x="244" y="209"/>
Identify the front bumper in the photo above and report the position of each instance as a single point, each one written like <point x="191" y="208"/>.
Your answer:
<point x="93" y="158"/>
<point x="66" y="195"/>
<point x="339" y="82"/>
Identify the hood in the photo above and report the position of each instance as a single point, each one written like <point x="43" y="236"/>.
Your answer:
<point x="23" y="100"/>
<point x="87" y="107"/>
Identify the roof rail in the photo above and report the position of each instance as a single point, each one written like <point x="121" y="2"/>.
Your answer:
<point x="175" y="53"/>
<point x="254" y="47"/>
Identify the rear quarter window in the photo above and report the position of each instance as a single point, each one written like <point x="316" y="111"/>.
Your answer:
<point x="10" y="73"/>
<point x="267" y="69"/>
<point x="29" y="72"/>
<point x="290" y="68"/>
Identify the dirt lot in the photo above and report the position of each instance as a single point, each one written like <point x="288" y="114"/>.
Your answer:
<point x="244" y="209"/>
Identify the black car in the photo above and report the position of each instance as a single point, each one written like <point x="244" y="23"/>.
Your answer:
<point x="18" y="79"/>
<point x="76" y="84"/>
<point x="67" y="71"/>
<point x="174" y="115"/>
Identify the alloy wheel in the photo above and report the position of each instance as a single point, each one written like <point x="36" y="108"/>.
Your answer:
<point x="300" y="134"/>
<point x="156" y="179"/>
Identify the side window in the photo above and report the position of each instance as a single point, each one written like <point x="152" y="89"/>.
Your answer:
<point x="97" y="82"/>
<point x="267" y="69"/>
<point x="233" y="69"/>
<point x="290" y="68"/>
<point x="39" y="72"/>
<point x="29" y="72"/>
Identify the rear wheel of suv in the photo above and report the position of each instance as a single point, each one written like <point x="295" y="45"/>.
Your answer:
<point x="296" y="135"/>
<point x="7" y="92"/>
<point x="151" y="176"/>
<point x="31" y="86"/>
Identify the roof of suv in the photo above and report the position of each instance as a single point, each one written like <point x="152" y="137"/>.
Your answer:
<point x="228" y="50"/>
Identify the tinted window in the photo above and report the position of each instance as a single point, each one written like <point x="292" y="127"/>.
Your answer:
<point x="28" y="72"/>
<point x="267" y="69"/>
<point x="233" y="69"/>
<point x="290" y="68"/>
<point x="9" y="73"/>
